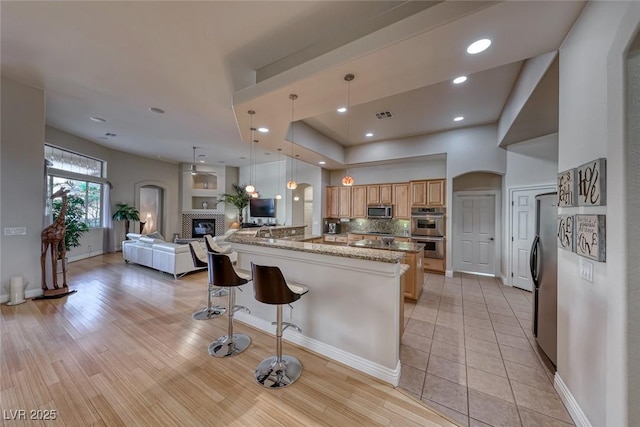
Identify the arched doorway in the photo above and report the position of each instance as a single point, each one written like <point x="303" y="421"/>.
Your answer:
<point x="151" y="201"/>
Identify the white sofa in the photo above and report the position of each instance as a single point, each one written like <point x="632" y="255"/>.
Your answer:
<point x="156" y="253"/>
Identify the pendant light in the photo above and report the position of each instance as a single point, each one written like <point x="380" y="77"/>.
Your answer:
<point x="292" y="184"/>
<point x="193" y="165"/>
<point x="278" y="196"/>
<point x="250" y="188"/>
<point x="348" y="180"/>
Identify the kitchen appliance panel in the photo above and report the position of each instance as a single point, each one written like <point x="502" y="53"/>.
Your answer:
<point x="427" y="221"/>
<point x="433" y="246"/>
<point x="379" y="211"/>
<point x="543" y="264"/>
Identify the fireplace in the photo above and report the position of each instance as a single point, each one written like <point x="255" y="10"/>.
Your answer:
<point x="202" y="226"/>
<point x="212" y="218"/>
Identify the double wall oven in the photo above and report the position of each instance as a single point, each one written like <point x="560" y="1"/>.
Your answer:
<point x="427" y="226"/>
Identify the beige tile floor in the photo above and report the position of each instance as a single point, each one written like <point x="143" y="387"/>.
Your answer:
<point x="467" y="351"/>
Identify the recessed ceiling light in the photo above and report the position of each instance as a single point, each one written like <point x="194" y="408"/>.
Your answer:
<point x="97" y="119"/>
<point x="322" y="162"/>
<point x="368" y="134"/>
<point x="342" y="110"/>
<point x="263" y="130"/>
<point x="156" y="110"/>
<point x="459" y="118"/>
<point x="459" y="80"/>
<point x="478" y="46"/>
<point x="201" y="161"/>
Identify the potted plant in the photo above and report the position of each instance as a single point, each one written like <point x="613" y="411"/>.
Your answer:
<point x="73" y="221"/>
<point x="239" y="198"/>
<point x="126" y="213"/>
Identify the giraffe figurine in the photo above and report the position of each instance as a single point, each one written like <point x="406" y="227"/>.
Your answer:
<point x="53" y="238"/>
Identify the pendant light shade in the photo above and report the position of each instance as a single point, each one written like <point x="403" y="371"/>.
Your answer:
<point x="292" y="184"/>
<point x="250" y="188"/>
<point x="348" y="179"/>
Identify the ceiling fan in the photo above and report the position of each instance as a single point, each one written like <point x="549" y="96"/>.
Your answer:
<point x="194" y="168"/>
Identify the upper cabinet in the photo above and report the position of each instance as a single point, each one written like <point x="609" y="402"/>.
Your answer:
<point x="418" y="191"/>
<point x="401" y="206"/>
<point x="338" y="202"/>
<point x="435" y="192"/>
<point x="333" y="202"/>
<point x="359" y="201"/>
<point x="428" y="192"/>
<point x="344" y="194"/>
<point x="379" y="194"/>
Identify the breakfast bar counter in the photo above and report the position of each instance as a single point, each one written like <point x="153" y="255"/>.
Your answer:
<point x="353" y="312"/>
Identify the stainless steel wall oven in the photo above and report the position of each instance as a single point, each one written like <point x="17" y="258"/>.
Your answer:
<point x="427" y="222"/>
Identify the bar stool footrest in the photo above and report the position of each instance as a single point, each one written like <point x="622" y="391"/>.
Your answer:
<point x="209" y="313"/>
<point x="274" y="373"/>
<point x="241" y="308"/>
<point x="225" y="347"/>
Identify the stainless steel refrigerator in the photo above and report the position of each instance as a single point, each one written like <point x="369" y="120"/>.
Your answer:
<point x="544" y="268"/>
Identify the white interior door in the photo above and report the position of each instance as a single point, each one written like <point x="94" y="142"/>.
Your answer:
<point x="522" y="232"/>
<point x="474" y="250"/>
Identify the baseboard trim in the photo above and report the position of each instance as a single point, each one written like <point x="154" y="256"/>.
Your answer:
<point x="576" y="412"/>
<point x="28" y="293"/>
<point x="391" y="376"/>
<point x="448" y="273"/>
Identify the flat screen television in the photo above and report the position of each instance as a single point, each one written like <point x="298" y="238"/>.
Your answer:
<point x="262" y="208"/>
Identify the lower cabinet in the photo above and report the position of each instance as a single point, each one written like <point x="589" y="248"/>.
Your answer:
<point x="414" y="278"/>
<point x="434" y="265"/>
<point x="337" y="239"/>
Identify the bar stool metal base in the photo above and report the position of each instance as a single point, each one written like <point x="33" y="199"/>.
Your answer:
<point x="272" y="373"/>
<point x="209" y="313"/>
<point x="225" y="347"/>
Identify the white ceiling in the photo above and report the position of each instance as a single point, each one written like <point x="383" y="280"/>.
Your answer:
<point x="207" y="63"/>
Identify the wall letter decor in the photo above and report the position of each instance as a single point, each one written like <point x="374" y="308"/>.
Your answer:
<point x="566" y="188"/>
<point x="591" y="236"/>
<point x="591" y="179"/>
<point x="566" y="232"/>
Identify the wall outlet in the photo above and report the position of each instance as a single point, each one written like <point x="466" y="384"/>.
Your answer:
<point x="586" y="269"/>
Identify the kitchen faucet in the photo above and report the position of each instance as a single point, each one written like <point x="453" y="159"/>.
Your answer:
<point x="259" y="233"/>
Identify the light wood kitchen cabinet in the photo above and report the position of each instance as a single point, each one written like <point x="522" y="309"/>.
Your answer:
<point x="333" y="202"/>
<point x="434" y="265"/>
<point x="355" y="237"/>
<point x="333" y="238"/>
<point x="418" y="191"/>
<point x="386" y="194"/>
<point x="344" y="204"/>
<point x="435" y="192"/>
<point x="414" y="278"/>
<point x="427" y="193"/>
<point x="373" y="194"/>
<point x="379" y="194"/>
<point x="401" y="206"/>
<point x="359" y="201"/>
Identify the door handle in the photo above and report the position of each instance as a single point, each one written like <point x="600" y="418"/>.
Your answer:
<point x="491" y="238"/>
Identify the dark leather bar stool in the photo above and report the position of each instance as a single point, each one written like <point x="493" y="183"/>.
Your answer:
<point x="270" y="287"/>
<point x="200" y="260"/>
<point x="226" y="276"/>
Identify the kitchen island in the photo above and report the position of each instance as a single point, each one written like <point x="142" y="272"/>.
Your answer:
<point x="353" y="312"/>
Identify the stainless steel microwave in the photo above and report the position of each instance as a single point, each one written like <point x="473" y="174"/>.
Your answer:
<point x="380" y="211"/>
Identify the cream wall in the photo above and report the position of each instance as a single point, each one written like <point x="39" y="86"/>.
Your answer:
<point x="124" y="170"/>
<point x="21" y="184"/>
<point x="593" y="330"/>
<point x="397" y="172"/>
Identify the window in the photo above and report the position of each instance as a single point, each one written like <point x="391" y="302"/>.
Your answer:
<point x="83" y="176"/>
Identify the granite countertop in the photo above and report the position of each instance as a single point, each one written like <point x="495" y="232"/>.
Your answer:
<point x="395" y="246"/>
<point x="370" y="254"/>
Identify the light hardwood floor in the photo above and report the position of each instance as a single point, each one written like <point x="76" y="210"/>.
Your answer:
<point x="124" y="350"/>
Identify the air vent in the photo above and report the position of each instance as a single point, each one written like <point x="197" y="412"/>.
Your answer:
<point x="384" y="115"/>
<point x="110" y="134"/>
